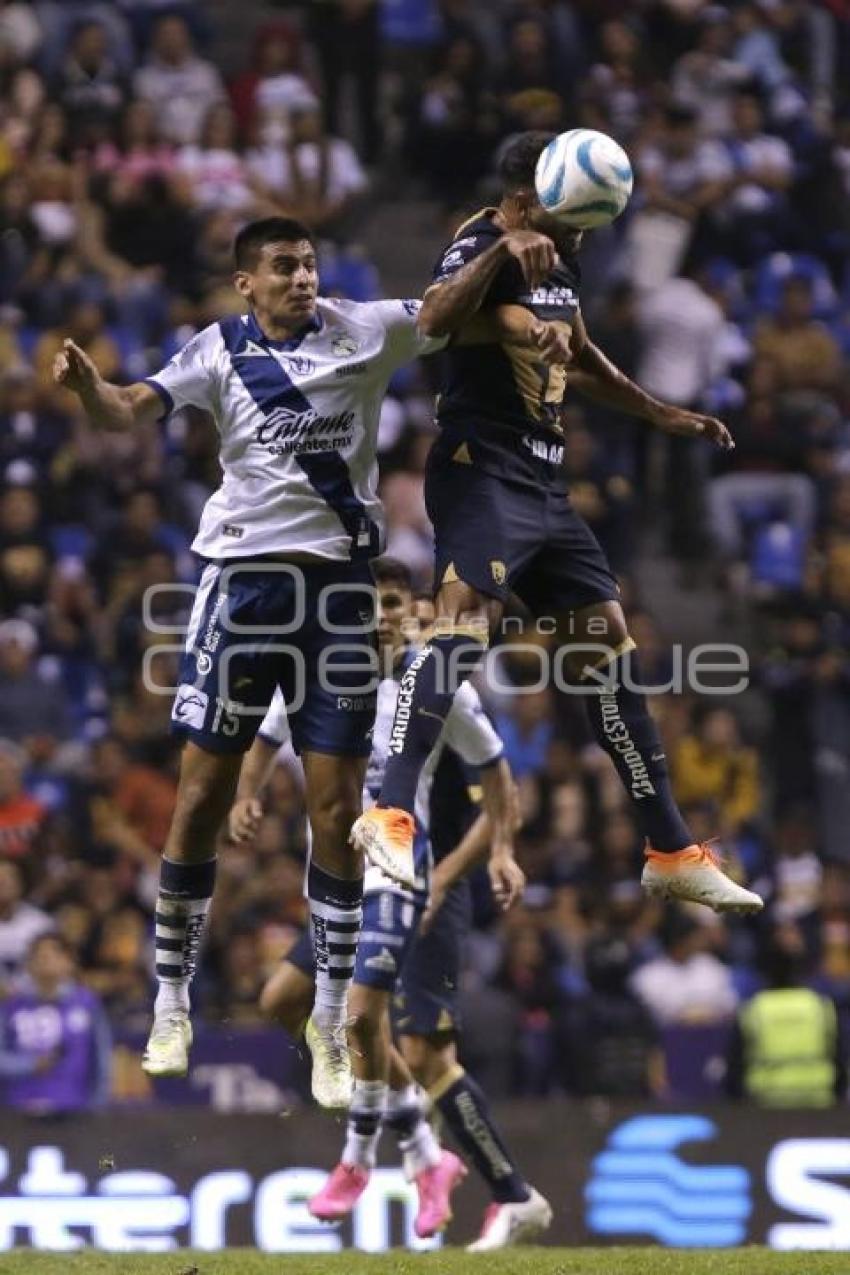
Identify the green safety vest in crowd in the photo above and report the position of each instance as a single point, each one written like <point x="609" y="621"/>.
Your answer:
<point x="789" y="1048"/>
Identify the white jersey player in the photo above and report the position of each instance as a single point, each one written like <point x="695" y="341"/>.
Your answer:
<point x="286" y="599"/>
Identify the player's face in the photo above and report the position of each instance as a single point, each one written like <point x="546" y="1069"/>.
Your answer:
<point x="284" y="284"/>
<point x="565" y="238"/>
<point x="393" y="614"/>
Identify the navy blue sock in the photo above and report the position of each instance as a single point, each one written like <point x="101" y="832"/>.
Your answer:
<point x="424" y="700"/>
<point x="466" y="1111"/>
<point x="624" y="728"/>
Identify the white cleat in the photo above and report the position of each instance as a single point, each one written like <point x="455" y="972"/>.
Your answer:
<point x="385" y="835"/>
<point x="332" y="1082"/>
<point x="508" y="1224"/>
<point x="696" y="876"/>
<point x="167" y="1050"/>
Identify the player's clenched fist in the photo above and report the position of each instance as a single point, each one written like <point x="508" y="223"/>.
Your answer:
<point x="245" y="819"/>
<point x="553" y="341"/>
<point x="534" y="252"/>
<point x="73" y="368"/>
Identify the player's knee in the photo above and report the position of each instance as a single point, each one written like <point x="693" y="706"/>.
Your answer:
<point x="367" y="1016"/>
<point x="332" y="814"/>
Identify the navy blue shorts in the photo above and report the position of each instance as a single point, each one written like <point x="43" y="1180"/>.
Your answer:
<point x="427" y="999"/>
<point x="390" y="923"/>
<point x="257" y="625"/>
<point x="503" y="537"/>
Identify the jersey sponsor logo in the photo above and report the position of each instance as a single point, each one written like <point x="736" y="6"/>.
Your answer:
<point x="559" y="297"/>
<point x="617" y="733"/>
<point x="285" y="431"/>
<point x="354" y="703"/>
<point x="452" y="259"/>
<point x="299" y="364"/>
<point x="552" y="453"/>
<point x="235" y="533"/>
<point x="343" y="345"/>
<point x="351" y="369"/>
<point x="190" y="706"/>
<point x="384" y="960"/>
<point x="404" y="703"/>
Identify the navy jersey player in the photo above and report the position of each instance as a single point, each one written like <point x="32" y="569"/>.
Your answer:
<point x="496" y="493"/>
<point x="286" y="599"/>
<point x="453" y="839"/>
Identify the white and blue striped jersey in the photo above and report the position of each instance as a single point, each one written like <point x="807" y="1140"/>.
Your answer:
<point x="468" y="731"/>
<point x="298" y="426"/>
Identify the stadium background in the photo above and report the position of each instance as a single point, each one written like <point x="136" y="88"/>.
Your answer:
<point x="135" y="137"/>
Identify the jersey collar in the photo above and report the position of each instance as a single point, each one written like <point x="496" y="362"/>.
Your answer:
<point x="257" y="334"/>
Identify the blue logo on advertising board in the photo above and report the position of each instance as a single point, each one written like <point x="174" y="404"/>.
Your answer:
<point x="641" y="1187"/>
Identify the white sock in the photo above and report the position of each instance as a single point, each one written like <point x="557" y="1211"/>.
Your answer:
<point x="417" y="1140"/>
<point x="172" y="996"/>
<point x="368" y="1103"/>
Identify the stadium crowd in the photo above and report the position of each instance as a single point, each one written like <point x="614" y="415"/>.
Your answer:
<point x="127" y="161"/>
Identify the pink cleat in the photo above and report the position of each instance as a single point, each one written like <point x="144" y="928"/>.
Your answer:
<point x="340" y="1193"/>
<point x="435" y="1188"/>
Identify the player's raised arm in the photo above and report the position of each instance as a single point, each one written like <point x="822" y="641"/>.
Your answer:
<point x="461" y="289"/>
<point x="595" y="376"/>
<point x="113" y="407"/>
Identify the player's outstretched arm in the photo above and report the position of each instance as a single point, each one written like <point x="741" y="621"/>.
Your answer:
<point x="113" y="407"/>
<point x="449" y="303"/>
<point x="595" y="376"/>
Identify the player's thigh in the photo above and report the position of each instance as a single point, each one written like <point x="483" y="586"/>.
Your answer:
<point x="243" y="631"/>
<point x="332" y="709"/>
<point x="571" y="571"/>
<point x="485" y="529"/>
<point x="427" y="1000"/>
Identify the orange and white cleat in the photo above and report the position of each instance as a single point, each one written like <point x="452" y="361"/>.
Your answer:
<point x="696" y="875"/>
<point x="385" y="835"/>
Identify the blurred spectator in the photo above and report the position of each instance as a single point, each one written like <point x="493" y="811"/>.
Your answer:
<point x="138" y="152"/>
<point x="131" y="804"/>
<point x="599" y="493"/>
<point x="20" y="31"/>
<point x="682" y="174"/>
<point x="682" y="330"/>
<point x="90" y="86"/>
<point x="55" y="1044"/>
<point x="318" y="177"/>
<point x="805" y="353"/>
<point x="688" y="984"/>
<point x="216" y="173"/>
<point x="787" y="1049"/>
<point x="347" y="38"/>
<point x="33" y="708"/>
<point x="25" y="554"/>
<point x="754" y="213"/>
<point x="704" y="78"/>
<point x="714" y="765"/>
<point x="180" y="85"/>
<point x="263" y="95"/>
<point x="22" y="816"/>
<point x="610" y="1045"/>
<point x="20" y="924"/>
<point x="762" y="477"/>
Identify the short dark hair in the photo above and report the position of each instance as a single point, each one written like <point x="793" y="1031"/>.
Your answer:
<point x="391" y="571"/>
<point x="252" y="238"/>
<point x="519" y="159"/>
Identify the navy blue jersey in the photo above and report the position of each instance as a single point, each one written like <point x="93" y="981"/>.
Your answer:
<point x="499" y="406"/>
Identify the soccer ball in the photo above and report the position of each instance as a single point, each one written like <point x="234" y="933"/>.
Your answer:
<point x="584" y="178"/>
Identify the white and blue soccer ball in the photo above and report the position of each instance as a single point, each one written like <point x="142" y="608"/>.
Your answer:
<point x="584" y="178"/>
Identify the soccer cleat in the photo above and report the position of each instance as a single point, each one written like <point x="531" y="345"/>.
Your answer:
<point x="340" y="1193"/>
<point x="167" y="1050"/>
<point x="507" y="1224"/>
<point x="331" y="1082"/>
<point x="385" y="835"/>
<point x="695" y="874"/>
<point x="435" y="1186"/>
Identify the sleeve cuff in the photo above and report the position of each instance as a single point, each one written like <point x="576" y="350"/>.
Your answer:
<point x="167" y="400"/>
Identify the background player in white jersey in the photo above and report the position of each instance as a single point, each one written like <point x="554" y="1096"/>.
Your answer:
<point x="286" y="599"/>
<point x="457" y="841"/>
